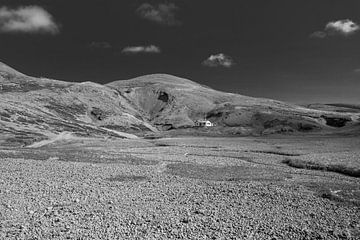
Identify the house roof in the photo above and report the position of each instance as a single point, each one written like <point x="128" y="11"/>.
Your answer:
<point x="203" y="121"/>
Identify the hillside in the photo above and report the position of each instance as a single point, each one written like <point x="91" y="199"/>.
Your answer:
<point x="33" y="109"/>
<point x="170" y="102"/>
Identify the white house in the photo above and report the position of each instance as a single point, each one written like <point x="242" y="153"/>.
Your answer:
<point x="203" y="123"/>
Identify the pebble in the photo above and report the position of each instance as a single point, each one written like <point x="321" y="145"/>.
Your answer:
<point x="169" y="207"/>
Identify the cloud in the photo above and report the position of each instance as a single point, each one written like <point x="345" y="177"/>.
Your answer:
<point x="141" y="49"/>
<point x="344" y="27"/>
<point x="163" y="13"/>
<point x="28" y="19"/>
<point x="219" y="60"/>
<point x="318" y="34"/>
<point x="100" y="45"/>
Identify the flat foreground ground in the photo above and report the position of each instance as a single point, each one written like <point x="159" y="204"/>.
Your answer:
<point x="183" y="188"/>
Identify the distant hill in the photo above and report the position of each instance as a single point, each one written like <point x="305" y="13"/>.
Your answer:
<point x="335" y="107"/>
<point x="32" y="109"/>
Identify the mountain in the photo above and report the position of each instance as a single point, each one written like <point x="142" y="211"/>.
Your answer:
<point x="169" y="102"/>
<point x="36" y="108"/>
<point x="33" y="109"/>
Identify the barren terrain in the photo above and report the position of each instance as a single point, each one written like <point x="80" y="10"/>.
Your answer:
<point x="35" y="109"/>
<point x="182" y="188"/>
<point x="125" y="160"/>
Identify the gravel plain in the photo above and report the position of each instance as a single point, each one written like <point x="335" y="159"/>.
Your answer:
<point x="180" y="188"/>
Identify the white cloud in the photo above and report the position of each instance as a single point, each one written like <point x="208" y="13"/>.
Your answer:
<point x="344" y="27"/>
<point x="28" y="19"/>
<point x="219" y="60"/>
<point x="141" y="49"/>
<point x="318" y="34"/>
<point x="163" y="13"/>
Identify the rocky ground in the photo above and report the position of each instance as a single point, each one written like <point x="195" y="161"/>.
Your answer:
<point x="180" y="188"/>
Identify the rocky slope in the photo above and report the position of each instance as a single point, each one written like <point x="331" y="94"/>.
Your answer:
<point x="171" y="102"/>
<point x="37" y="108"/>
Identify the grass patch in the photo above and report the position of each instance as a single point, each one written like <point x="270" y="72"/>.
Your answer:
<point x="152" y="136"/>
<point x="224" y="173"/>
<point x="194" y="146"/>
<point x="327" y="194"/>
<point x="102" y="158"/>
<point x="73" y="155"/>
<point x="23" y="139"/>
<point x="337" y="192"/>
<point x="247" y="159"/>
<point x="276" y="153"/>
<point x="338" y="168"/>
<point x="162" y="145"/>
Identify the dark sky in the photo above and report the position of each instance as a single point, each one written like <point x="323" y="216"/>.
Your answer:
<point x="270" y="44"/>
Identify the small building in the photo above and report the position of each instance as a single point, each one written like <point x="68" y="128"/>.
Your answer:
<point x="203" y="123"/>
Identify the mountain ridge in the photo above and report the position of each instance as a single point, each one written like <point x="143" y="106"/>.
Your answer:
<point x="40" y="107"/>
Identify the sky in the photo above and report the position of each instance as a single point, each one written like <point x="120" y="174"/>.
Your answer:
<point x="291" y="50"/>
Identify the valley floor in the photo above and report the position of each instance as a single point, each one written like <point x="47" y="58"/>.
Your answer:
<point x="287" y="187"/>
